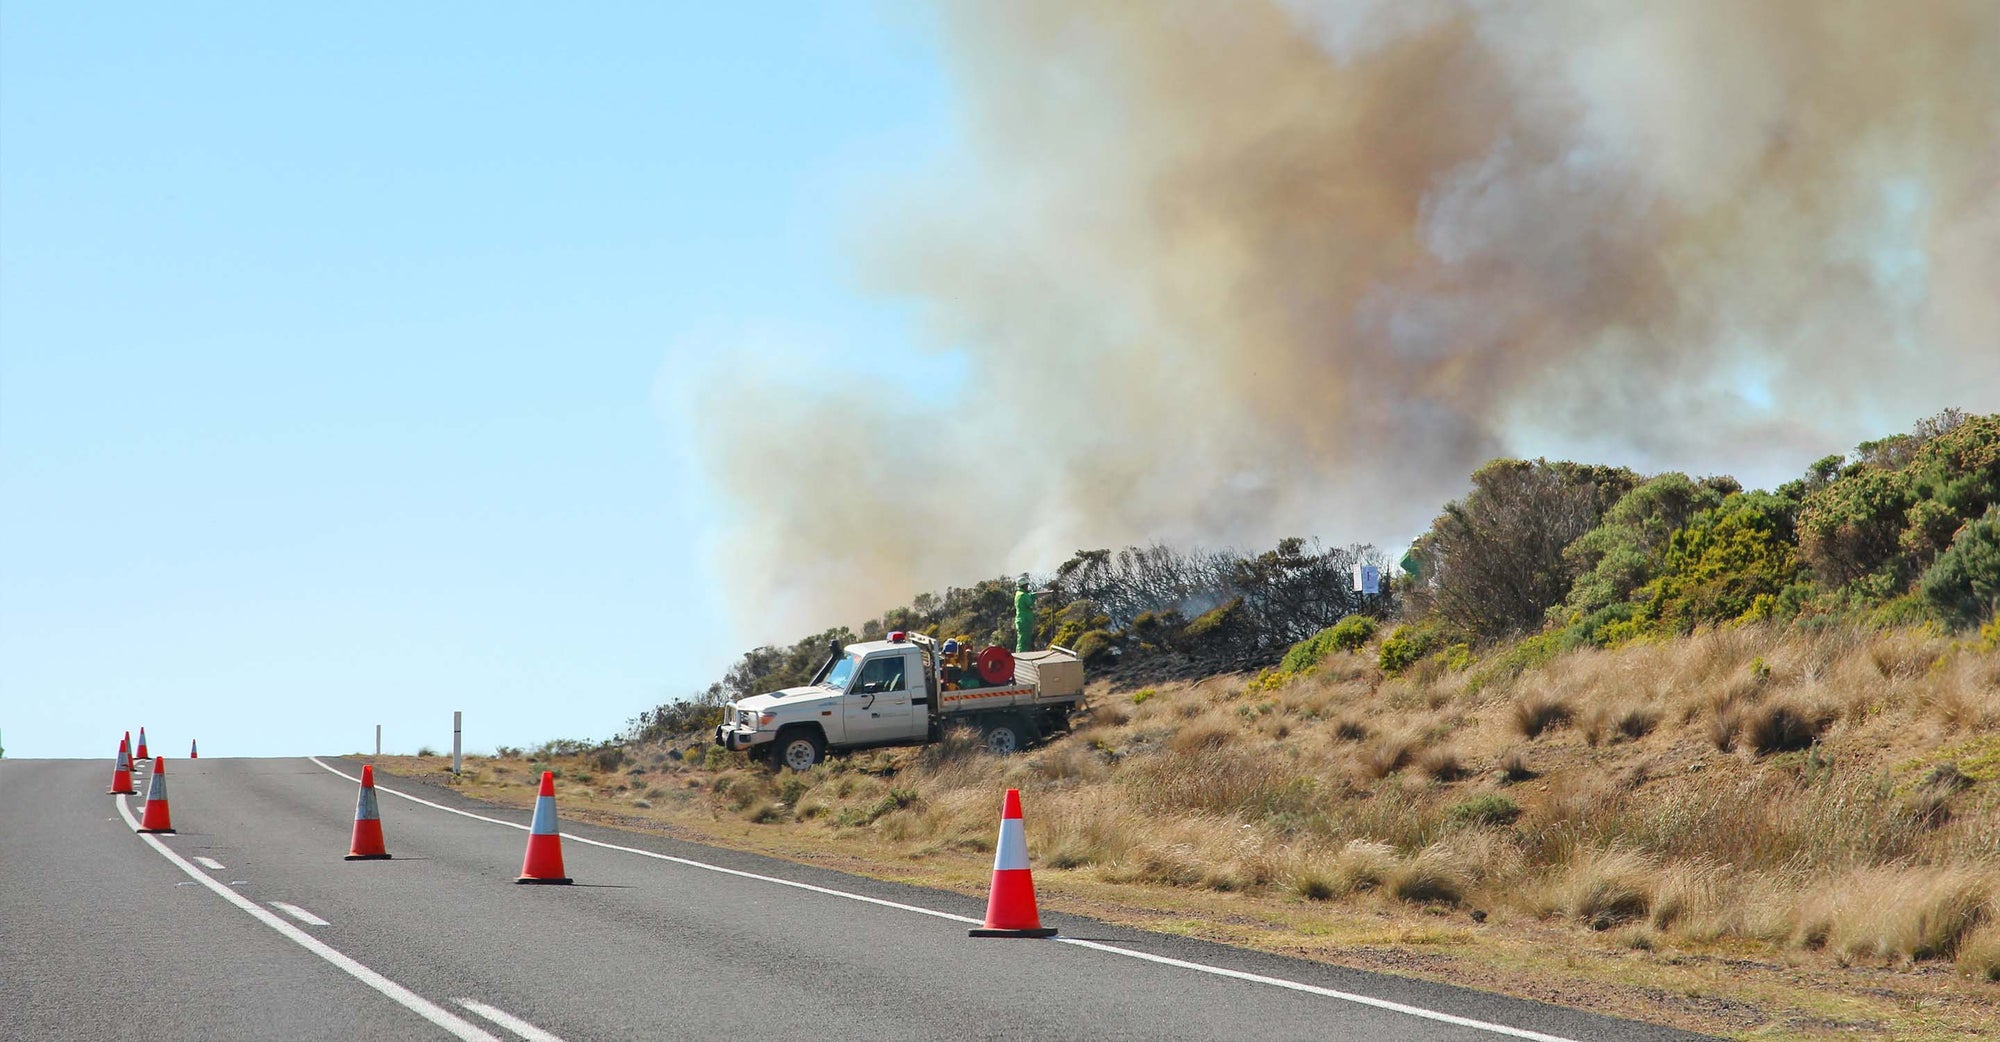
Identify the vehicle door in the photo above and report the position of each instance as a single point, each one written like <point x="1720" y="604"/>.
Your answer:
<point x="877" y="707"/>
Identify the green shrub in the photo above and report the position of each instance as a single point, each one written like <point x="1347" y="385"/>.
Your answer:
<point x="1406" y="647"/>
<point x="1095" y="648"/>
<point x="1488" y="809"/>
<point x="1140" y="696"/>
<point x="1624" y="552"/>
<point x="1349" y="634"/>
<point x="1963" y="585"/>
<point x="1217" y="626"/>
<point x="1719" y="565"/>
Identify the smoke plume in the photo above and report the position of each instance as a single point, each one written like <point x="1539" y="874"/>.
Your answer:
<point x="1219" y="272"/>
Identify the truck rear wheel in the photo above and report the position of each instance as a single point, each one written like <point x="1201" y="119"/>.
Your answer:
<point x="798" y="750"/>
<point x="1002" y="736"/>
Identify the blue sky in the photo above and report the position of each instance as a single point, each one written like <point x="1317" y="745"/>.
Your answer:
<point x="340" y="351"/>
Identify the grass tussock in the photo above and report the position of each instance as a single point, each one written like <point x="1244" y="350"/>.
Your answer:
<point x="1605" y="888"/>
<point x="1535" y="714"/>
<point x="1513" y="767"/>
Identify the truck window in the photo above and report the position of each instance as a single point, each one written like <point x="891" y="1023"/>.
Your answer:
<point x="842" y="670"/>
<point x="885" y="672"/>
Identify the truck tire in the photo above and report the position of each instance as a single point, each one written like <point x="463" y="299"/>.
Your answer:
<point x="1002" y="735"/>
<point x="798" y="749"/>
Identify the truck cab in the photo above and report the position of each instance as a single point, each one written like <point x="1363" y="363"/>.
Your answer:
<point x="872" y="693"/>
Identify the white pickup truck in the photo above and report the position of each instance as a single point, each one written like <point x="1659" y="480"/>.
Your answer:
<point x="905" y="691"/>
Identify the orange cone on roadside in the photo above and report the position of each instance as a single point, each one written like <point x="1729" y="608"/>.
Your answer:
<point x="140" y="752"/>
<point x="156" y="818"/>
<point x="121" y="772"/>
<point x="191" y="752"/>
<point x="1010" y="911"/>
<point x="367" y="843"/>
<point x="544" y="862"/>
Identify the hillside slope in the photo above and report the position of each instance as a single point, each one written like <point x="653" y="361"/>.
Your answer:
<point x="1755" y="830"/>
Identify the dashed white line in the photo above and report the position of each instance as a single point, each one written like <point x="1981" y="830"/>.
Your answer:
<point x="509" y="1021"/>
<point x="1219" y="971"/>
<point x="459" y="1027"/>
<point x="210" y="863"/>
<point x="300" y="914"/>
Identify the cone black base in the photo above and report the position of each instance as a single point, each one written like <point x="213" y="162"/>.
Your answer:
<point x="1048" y="931"/>
<point x="366" y="857"/>
<point x="157" y="832"/>
<point x="564" y="881"/>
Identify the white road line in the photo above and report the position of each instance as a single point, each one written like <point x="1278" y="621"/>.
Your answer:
<point x="459" y="1026"/>
<point x="509" y="1021"/>
<point x="1219" y="971"/>
<point x="210" y="863"/>
<point x="300" y="914"/>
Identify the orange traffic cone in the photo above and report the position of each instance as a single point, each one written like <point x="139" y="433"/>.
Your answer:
<point x="1010" y="911"/>
<point x="140" y="752"/>
<point x="544" y="861"/>
<point x="156" y="819"/>
<point x="121" y="773"/>
<point x="192" y="755"/>
<point x="367" y="843"/>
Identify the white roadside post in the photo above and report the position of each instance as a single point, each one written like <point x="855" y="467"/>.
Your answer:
<point x="378" y="741"/>
<point x="457" y="718"/>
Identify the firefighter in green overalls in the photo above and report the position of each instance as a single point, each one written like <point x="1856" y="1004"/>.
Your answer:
<point x="1024" y="616"/>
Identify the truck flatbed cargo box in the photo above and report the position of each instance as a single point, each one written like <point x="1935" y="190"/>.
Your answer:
<point x="1056" y="673"/>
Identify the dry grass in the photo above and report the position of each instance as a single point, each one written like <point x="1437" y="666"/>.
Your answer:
<point x="1441" y="763"/>
<point x="1785" y="726"/>
<point x="1513" y="767"/>
<point x="1979" y="952"/>
<point x="1538" y="713"/>
<point x="1387" y="755"/>
<point x="1815" y="800"/>
<point x="1605" y="888"/>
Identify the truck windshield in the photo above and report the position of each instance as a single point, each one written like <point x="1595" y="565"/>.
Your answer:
<point x="838" y="676"/>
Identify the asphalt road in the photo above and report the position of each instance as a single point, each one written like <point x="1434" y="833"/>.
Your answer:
<point x="104" y="935"/>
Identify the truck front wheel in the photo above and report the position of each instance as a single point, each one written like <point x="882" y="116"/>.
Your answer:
<point x="798" y="750"/>
<point x="1002" y="736"/>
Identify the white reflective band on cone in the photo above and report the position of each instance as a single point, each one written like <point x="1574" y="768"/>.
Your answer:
<point x="545" y="816"/>
<point x="365" y="809"/>
<point x="1013" y="851"/>
<point x="156" y="789"/>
